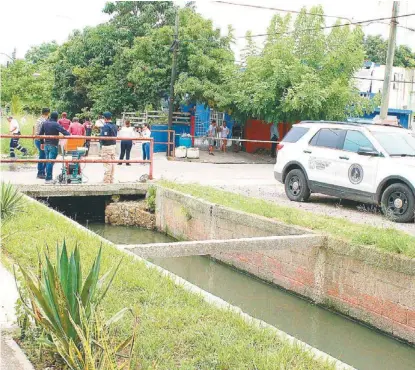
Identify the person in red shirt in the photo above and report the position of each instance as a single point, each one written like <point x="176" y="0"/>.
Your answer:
<point x="76" y="128"/>
<point x="64" y="121"/>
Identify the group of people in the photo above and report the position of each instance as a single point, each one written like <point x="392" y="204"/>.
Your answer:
<point x="108" y="149"/>
<point x="212" y="134"/>
<point x="49" y="124"/>
<point x="223" y="133"/>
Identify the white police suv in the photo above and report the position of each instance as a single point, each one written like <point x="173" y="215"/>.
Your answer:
<point x="367" y="163"/>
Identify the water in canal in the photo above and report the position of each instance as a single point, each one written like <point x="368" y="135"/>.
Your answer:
<point x="342" y="338"/>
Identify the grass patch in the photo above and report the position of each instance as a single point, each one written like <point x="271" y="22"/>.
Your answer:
<point x="26" y="128"/>
<point x="384" y="239"/>
<point x="178" y="329"/>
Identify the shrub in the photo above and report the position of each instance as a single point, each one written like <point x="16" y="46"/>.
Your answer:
<point x="60" y="301"/>
<point x="151" y="199"/>
<point x="11" y="202"/>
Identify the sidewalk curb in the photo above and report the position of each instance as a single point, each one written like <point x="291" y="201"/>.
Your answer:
<point x="20" y="361"/>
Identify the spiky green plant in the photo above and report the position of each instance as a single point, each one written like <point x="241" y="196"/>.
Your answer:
<point x="54" y="294"/>
<point x="98" y="350"/>
<point x="11" y="202"/>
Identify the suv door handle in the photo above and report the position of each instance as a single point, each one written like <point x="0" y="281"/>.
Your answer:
<point x="346" y="158"/>
<point x="307" y="151"/>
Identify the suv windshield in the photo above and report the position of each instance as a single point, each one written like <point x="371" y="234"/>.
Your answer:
<point x="397" y="143"/>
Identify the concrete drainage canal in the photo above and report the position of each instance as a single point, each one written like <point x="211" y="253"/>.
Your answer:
<point x="233" y="272"/>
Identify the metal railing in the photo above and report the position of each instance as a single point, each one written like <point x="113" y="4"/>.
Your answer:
<point x="86" y="138"/>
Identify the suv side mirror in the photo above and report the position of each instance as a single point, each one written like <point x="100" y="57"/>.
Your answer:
<point x="368" y="152"/>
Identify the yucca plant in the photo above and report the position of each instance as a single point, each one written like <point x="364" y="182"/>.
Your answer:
<point x="54" y="294"/>
<point x="98" y="350"/>
<point x="11" y="202"/>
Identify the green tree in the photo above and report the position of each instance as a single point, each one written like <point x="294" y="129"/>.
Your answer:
<point x="202" y="56"/>
<point x="140" y="17"/>
<point x="26" y="82"/>
<point x="91" y="69"/>
<point x="41" y="52"/>
<point x="303" y="74"/>
<point x="376" y="49"/>
<point x="83" y="62"/>
<point x="251" y="49"/>
<point x="404" y="57"/>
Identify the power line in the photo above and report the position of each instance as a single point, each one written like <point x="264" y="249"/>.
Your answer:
<point x="299" y="11"/>
<point x="362" y="23"/>
<point x="380" y="79"/>
<point x="280" y="10"/>
<point x="333" y="26"/>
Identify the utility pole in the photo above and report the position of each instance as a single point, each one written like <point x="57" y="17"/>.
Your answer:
<point x="174" y="47"/>
<point x="389" y="62"/>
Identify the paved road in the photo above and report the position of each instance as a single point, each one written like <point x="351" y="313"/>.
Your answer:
<point x="254" y="180"/>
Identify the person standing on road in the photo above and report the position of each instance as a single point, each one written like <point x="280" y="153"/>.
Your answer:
<point x="64" y="121"/>
<point x="212" y="135"/>
<point x="274" y="138"/>
<point x="99" y="123"/>
<point x="50" y="146"/>
<point x="146" y="133"/>
<point x="108" y="147"/>
<point x="14" y="129"/>
<point x="126" y="145"/>
<point x="76" y="128"/>
<point x="41" y="167"/>
<point x="224" y="133"/>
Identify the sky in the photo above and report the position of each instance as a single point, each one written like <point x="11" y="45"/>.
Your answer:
<point x="28" y="23"/>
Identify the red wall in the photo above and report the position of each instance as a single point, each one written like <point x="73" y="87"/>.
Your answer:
<point x="260" y="130"/>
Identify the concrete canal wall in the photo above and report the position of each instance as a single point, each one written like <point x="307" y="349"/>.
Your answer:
<point x="374" y="287"/>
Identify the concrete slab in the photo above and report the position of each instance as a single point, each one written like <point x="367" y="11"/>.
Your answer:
<point x="11" y="355"/>
<point x="8" y="299"/>
<point x="205" y="247"/>
<point x="80" y="190"/>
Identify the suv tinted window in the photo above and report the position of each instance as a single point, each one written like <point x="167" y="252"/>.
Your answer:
<point x="328" y="138"/>
<point x="355" y="140"/>
<point x="295" y="134"/>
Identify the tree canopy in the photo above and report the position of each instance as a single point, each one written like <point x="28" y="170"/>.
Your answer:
<point x="376" y="49"/>
<point x="28" y="84"/>
<point x="301" y="73"/>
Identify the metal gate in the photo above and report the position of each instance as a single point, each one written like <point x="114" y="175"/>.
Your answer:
<point x="202" y="123"/>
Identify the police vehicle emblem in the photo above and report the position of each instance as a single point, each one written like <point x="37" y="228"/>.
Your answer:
<point x="355" y="173"/>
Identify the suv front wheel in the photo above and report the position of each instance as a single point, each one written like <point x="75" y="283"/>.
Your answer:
<point x="296" y="186"/>
<point x="398" y="203"/>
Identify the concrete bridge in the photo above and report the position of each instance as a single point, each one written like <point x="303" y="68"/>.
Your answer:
<point x="83" y="190"/>
<point x="205" y="247"/>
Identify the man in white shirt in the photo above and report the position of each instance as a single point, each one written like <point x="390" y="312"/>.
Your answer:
<point x="213" y="128"/>
<point x="99" y="123"/>
<point x="126" y="145"/>
<point x="224" y="133"/>
<point x="14" y="129"/>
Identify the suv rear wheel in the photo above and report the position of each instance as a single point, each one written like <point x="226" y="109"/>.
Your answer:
<point x="398" y="203"/>
<point x="296" y="186"/>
